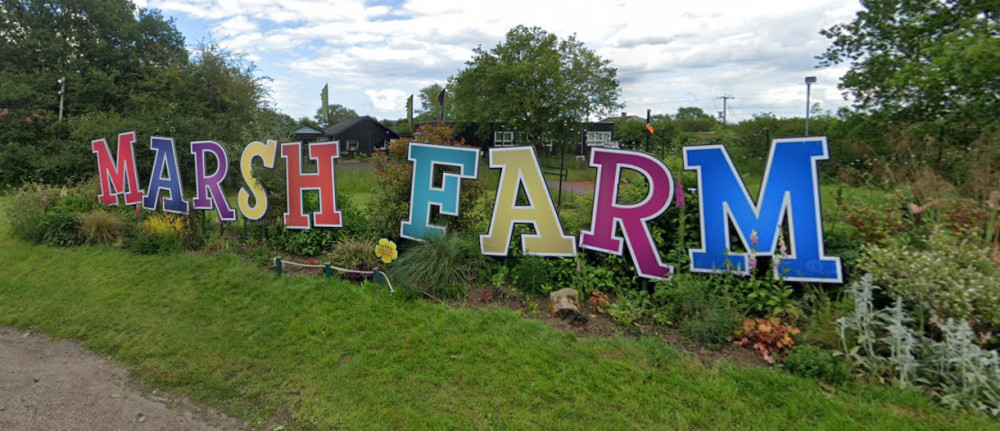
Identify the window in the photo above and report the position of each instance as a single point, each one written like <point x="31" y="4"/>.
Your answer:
<point x="503" y="139"/>
<point x="352" y="145"/>
<point x="598" y="138"/>
<point x="381" y="145"/>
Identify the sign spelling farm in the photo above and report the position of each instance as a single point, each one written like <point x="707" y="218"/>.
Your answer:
<point x="789" y="195"/>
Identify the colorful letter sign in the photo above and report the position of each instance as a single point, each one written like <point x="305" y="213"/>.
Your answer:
<point x="118" y="176"/>
<point x="423" y="194"/>
<point x="322" y="181"/>
<point x="519" y="168"/>
<point x="267" y="153"/>
<point x="166" y="176"/>
<point x="609" y="214"/>
<point x="209" y="187"/>
<point x="789" y="195"/>
<point x="789" y="199"/>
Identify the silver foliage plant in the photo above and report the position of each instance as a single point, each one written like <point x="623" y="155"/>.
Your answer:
<point x="956" y="370"/>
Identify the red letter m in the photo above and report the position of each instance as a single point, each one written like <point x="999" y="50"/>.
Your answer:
<point x="114" y="174"/>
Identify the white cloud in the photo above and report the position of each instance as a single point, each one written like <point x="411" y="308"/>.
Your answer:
<point x="669" y="54"/>
<point x="389" y="99"/>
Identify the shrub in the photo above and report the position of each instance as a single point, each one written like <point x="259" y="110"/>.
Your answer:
<point x="631" y="308"/>
<point x="60" y="229"/>
<point x="159" y="234"/>
<point x="350" y="252"/>
<point x="394" y="173"/>
<point x="357" y="223"/>
<point x="954" y="368"/>
<point x="714" y="323"/>
<point x="100" y="227"/>
<point x="769" y="336"/>
<point x="817" y="363"/>
<point x="948" y="276"/>
<point x="308" y="242"/>
<point x="444" y="266"/>
<point x="25" y="209"/>
<point x="534" y="275"/>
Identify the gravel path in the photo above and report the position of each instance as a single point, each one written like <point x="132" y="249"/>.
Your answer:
<point x="48" y="384"/>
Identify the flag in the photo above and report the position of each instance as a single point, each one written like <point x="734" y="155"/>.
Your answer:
<point x="409" y="112"/>
<point x="650" y="128"/>
<point x="441" y="102"/>
<point x="325" y="114"/>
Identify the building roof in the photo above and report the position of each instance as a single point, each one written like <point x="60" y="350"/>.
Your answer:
<point x="307" y="130"/>
<point x="335" y="130"/>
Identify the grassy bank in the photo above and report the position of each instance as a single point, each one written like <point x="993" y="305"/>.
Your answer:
<point x="315" y="354"/>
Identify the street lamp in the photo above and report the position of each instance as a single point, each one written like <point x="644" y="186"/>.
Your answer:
<point x="810" y="80"/>
<point x="62" y="93"/>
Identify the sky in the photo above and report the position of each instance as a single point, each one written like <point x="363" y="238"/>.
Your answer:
<point x="669" y="54"/>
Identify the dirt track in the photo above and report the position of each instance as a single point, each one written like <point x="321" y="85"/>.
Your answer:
<point x="49" y="384"/>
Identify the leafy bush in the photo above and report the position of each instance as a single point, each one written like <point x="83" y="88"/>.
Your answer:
<point x="100" y="227"/>
<point x="632" y="308"/>
<point x="714" y="323"/>
<point x="394" y="173"/>
<point x="357" y="223"/>
<point x="307" y="242"/>
<point x="954" y="368"/>
<point x="160" y="233"/>
<point x="771" y="337"/>
<point x="817" y="363"/>
<point x="443" y="267"/>
<point x="948" y="276"/>
<point x="60" y="229"/>
<point x="534" y="275"/>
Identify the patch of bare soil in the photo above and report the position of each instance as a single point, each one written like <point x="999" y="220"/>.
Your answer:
<point x="602" y="325"/>
<point x="48" y="384"/>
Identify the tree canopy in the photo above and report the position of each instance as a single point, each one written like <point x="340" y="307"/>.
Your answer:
<point x="535" y="83"/>
<point x="921" y="60"/>
<point x="125" y="69"/>
<point x="338" y="113"/>
<point x="429" y="109"/>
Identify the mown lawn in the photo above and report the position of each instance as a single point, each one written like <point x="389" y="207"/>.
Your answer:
<point x="317" y="354"/>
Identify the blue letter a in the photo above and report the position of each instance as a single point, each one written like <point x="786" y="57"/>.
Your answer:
<point x="789" y="193"/>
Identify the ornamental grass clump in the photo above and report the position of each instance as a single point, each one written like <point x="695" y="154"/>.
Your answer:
<point x="444" y="266"/>
<point x="100" y="227"/>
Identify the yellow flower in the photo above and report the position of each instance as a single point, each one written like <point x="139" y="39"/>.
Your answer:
<point x="386" y="250"/>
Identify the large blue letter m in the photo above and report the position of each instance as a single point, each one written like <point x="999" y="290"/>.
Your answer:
<point x="789" y="193"/>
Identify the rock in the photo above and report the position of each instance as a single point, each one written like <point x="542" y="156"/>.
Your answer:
<point x="565" y="303"/>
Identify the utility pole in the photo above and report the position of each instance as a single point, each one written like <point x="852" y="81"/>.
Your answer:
<point x="62" y="94"/>
<point x="724" y="98"/>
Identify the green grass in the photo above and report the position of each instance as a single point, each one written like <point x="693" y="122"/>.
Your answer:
<point x="317" y="354"/>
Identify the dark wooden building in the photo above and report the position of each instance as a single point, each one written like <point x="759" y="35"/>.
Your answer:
<point x="360" y="135"/>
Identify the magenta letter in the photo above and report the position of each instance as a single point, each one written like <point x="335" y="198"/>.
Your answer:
<point x="632" y="218"/>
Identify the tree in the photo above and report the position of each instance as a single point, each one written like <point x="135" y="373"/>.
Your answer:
<point x="430" y="109"/>
<point x="693" y="119"/>
<point x="104" y="49"/>
<point x="534" y="83"/>
<point x="338" y="113"/>
<point x="126" y="68"/>
<point x="921" y="60"/>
